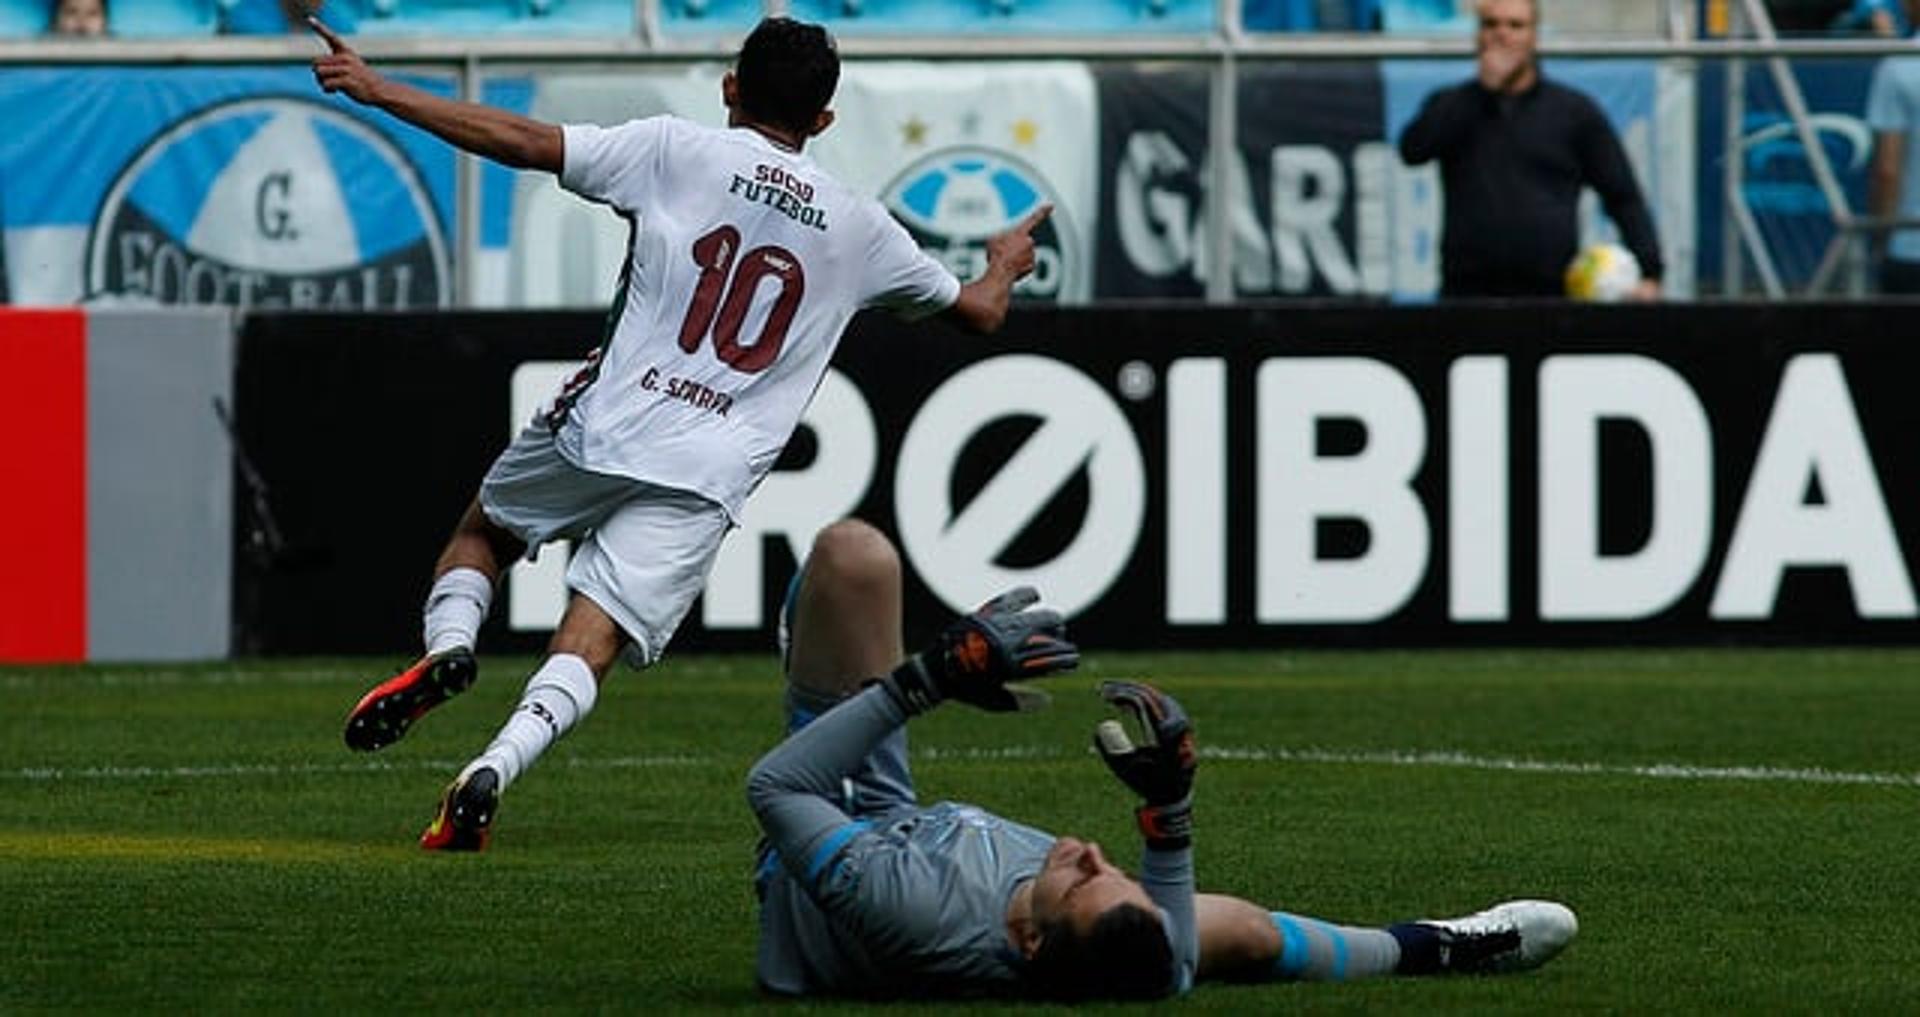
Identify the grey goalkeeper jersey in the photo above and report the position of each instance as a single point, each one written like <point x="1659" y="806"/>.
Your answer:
<point x="888" y="898"/>
<point x="919" y="908"/>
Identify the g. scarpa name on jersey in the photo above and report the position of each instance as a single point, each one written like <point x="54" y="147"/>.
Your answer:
<point x="773" y="191"/>
<point x="686" y="390"/>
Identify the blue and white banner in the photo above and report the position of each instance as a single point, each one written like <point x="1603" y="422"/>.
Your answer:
<point x="1790" y="209"/>
<point x="239" y="186"/>
<point x="956" y="156"/>
<point x="247" y="187"/>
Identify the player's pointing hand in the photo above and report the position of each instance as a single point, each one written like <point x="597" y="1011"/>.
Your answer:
<point x="1012" y="251"/>
<point x="1034" y="218"/>
<point x="341" y="69"/>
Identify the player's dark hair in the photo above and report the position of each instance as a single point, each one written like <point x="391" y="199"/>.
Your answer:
<point x="1124" y="956"/>
<point x="787" y="72"/>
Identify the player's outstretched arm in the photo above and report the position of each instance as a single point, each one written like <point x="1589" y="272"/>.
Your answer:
<point x="795" y="789"/>
<point x="1157" y="761"/>
<point x="983" y="303"/>
<point x="496" y="134"/>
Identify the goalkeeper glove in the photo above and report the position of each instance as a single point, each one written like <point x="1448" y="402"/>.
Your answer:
<point x="1005" y="640"/>
<point x="1160" y="767"/>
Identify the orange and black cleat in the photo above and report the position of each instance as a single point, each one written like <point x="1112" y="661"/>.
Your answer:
<point x="466" y="811"/>
<point x="384" y="714"/>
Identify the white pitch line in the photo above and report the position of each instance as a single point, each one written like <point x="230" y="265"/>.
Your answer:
<point x="144" y="678"/>
<point x="1652" y="771"/>
<point x="1464" y="761"/>
<point x="1386" y="757"/>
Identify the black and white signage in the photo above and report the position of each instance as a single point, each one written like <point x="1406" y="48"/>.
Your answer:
<point x="1312" y="188"/>
<point x="1253" y="477"/>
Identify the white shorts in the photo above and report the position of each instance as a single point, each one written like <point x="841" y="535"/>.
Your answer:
<point x="644" y="552"/>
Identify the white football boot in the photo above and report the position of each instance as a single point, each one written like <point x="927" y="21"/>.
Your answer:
<point x="1518" y="935"/>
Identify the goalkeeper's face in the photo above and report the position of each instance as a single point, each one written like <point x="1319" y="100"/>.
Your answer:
<point x="1077" y="885"/>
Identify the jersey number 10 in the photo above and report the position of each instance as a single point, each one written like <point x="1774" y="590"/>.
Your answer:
<point x="725" y="292"/>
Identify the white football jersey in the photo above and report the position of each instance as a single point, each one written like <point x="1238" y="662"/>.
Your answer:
<point x="746" y="263"/>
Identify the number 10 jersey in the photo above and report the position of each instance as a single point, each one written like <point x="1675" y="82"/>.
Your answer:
<point x="746" y="262"/>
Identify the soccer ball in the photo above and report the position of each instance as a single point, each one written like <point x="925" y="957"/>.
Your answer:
<point x="1603" y="273"/>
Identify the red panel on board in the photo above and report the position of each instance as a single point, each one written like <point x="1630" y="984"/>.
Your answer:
<point x="43" y="498"/>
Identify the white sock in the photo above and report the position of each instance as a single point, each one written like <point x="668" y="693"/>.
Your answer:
<point x="455" y="607"/>
<point x="557" y="697"/>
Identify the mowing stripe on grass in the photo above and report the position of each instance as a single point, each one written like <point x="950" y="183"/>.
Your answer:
<point x="111" y="677"/>
<point x="17" y="844"/>
<point x="110" y="773"/>
<point x="1382" y="757"/>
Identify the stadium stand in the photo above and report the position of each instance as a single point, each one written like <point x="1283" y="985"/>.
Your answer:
<point x="1008" y="17"/>
<point x="21" y="18"/>
<point x="128" y="19"/>
<point x="1587" y="19"/>
<point x="163" y="18"/>
<point x="267" y="17"/>
<point x="1425" y="16"/>
<point x="443" y="17"/>
<point x="689" y="16"/>
<point x="1806" y="17"/>
<point x="136" y="19"/>
<point x="1310" y="15"/>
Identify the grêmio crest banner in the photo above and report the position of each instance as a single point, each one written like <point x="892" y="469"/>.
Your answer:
<point x="239" y="186"/>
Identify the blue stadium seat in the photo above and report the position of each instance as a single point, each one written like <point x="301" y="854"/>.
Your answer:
<point x="22" y="18"/>
<point x="697" y="16"/>
<point x="267" y="17"/>
<point x="1426" y="16"/>
<point x="1310" y="15"/>
<point x="138" y="19"/>
<point x="579" y="17"/>
<point x="484" y="17"/>
<point x="1008" y="17"/>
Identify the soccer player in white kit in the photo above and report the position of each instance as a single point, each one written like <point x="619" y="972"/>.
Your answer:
<point x="746" y="263"/>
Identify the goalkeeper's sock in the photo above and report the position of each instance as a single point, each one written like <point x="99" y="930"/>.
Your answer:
<point x="1316" y="951"/>
<point x="455" y="607"/>
<point x="557" y="697"/>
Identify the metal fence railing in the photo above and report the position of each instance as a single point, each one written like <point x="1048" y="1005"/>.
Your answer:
<point x="1759" y="252"/>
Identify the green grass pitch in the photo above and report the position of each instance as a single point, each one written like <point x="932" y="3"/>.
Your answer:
<point x="1734" y="827"/>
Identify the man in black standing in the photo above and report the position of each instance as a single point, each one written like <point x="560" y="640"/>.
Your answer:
<point x="1515" y="150"/>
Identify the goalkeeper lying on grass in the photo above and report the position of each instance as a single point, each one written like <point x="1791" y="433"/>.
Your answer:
<point x="864" y="891"/>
